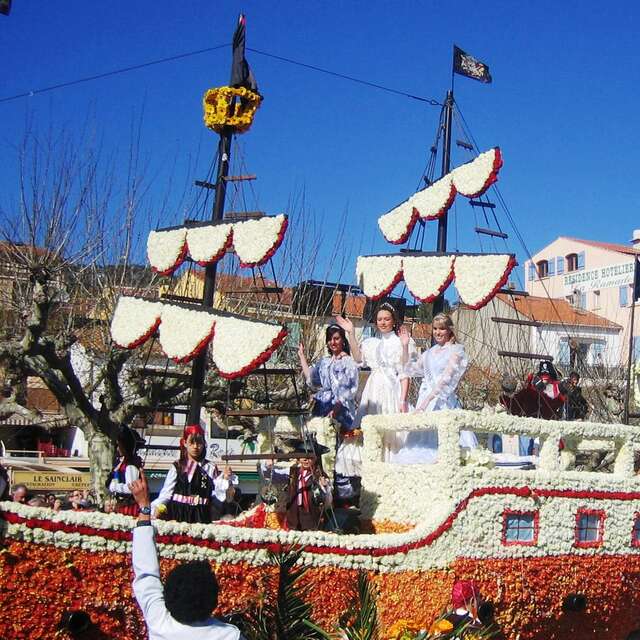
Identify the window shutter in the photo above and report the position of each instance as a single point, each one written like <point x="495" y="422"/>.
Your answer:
<point x="581" y="260"/>
<point x="551" y="267"/>
<point x="623" y="293"/>
<point x="563" y="352"/>
<point x="583" y="299"/>
<point x="559" y="265"/>
<point x="532" y="271"/>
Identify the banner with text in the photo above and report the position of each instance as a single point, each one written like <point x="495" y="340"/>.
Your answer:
<point x="607" y="277"/>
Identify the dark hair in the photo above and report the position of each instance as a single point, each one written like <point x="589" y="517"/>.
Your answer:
<point x="333" y="329"/>
<point x="128" y="441"/>
<point x="574" y="374"/>
<point x="191" y="592"/>
<point x="387" y="306"/>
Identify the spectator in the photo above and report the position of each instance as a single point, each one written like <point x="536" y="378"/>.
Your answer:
<point x="4" y="484"/>
<point x="75" y="501"/>
<point x="37" y="501"/>
<point x="57" y="505"/>
<point x="577" y="407"/>
<point x="50" y="498"/>
<point x="182" y="608"/>
<point x="20" y="493"/>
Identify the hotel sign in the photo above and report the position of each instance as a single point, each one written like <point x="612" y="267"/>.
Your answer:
<point x="52" y="481"/>
<point x="608" y="277"/>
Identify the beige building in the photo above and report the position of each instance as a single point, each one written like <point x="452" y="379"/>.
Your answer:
<point x="592" y="276"/>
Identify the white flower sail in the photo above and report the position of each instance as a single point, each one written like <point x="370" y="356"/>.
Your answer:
<point x="435" y="200"/>
<point x="184" y="332"/>
<point x="397" y="224"/>
<point x="378" y="275"/>
<point x="134" y="321"/>
<point x="166" y="250"/>
<point x="255" y="241"/>
<point x="478" y="278"/>
<point x="241" y="345"/>
<point x="474" y="178"/>
<point x="427" y="276"/>
<point x="207" y="244"/>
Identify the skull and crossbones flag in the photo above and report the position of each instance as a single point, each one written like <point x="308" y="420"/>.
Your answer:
<point x="467" y="65"/>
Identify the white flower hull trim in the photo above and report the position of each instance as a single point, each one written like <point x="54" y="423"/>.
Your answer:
<point x="185" y="332"/>
<point x="167" y="250"/>
<point x="208" y="244"/>
<point x="254" y="242"/>
<point x="427" y="276"/>
<point x="239" y="345"/>
<point x="470" y="180"/>
<point x="134" y="321"/>
<point x="378" y="275"/>
<point x="478" y="278"/>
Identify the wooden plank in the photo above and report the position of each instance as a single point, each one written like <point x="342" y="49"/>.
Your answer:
<point x="484" y="205"/>
<point x="205" y="185"/>
<point x="172" y="296"/>
<point x="514" y="292"/>
<point x="255" y="413"/>
<point x="244" y="215"/>
<point x="525" y="356"/>
<point x="464" y="145"/>
<point x="266" y="456"/>
<point x="529" y="323"/>
<point x="246" y="176"/>
<point x="491" y="232"/>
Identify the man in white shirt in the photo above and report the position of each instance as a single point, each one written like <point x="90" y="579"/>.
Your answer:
<point x="181" y="610"/>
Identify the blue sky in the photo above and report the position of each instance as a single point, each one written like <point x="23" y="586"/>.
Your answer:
<point x="563" y="105"/>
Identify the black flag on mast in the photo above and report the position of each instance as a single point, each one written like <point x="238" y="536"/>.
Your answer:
<point x="241" y="75"/>
<point x="5" y="7"/>
<point x="467" y="65"/>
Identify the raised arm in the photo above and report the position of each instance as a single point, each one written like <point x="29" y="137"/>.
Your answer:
<point x="304" y="364"/>
<point x="347" y="326"/>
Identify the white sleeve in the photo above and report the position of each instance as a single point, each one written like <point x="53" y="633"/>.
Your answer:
<point x="167" y="489"/>
<point x="414" y="368"/>
<point x="131" y="473"/>
<point x="221" y="484"/>
<point x="147" y="587"/>
<point x="447" y="383"/>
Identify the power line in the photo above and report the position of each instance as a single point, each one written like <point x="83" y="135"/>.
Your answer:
<point x="180" y="56"/>
<point x="115" y="72"/>
<point x="430" y="101"/>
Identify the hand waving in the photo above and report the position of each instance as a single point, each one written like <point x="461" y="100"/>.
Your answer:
<point x="344" y="323"/>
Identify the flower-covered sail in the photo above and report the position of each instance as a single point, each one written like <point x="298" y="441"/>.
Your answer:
<point x="427" y="276"/>
<point x="239" y="344"/>
<point x="478" y="278"/>
<point x="470" y="180"/>
<point x="254" y="242"/>
<point x="378" y="275"/>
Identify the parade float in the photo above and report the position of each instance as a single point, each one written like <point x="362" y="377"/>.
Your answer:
<point x="555" y="550"/>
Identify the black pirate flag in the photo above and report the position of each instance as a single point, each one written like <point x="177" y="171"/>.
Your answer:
<point x="467" y="65"/>
<point x="241" y="75"/>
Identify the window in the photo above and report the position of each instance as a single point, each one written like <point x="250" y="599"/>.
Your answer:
<point x="580" y="257"/>
<point x="543" y="269"/>
<point x="559" y="265"/>
<point x="589" y="527"/>
<point x="563" y="352"/>
<point x="596" y="299"/>
<point x="635" y="532"/>
<point x="520" y="527"/>
<point x="532" y="271"/>
<point x="623" y="294"/>
<point x="551" y="267"/>
<point x="582" y="300"/>
<point x="572" y="262"/>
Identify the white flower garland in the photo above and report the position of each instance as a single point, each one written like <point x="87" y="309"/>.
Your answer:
<point x="474" y="178"/>
<point x="184" y="332"/>
<point x="207" y="243"/>
<point x="427" y="276"/>
<point x="377" y="275"/>
<point x="470" y="180"/>
<point x="134" y="320"/>
<point x="478" y="277"/>
<point x="166" y="249"/>
<point x="254" y="240"/>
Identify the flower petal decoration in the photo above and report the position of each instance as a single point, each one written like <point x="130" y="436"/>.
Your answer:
<point x="474" y="178"/>
<point x="167" y="250"/>
<point x="397" y="224"/>
<point x="134" y="321"/>
<point x="435" y="200"/>
<point x="378" y="275"/>
<point x="478" y="278"/>
<point x="241" y="345"/>
<point x="255" y="241"/>
<point x="208" y="243"/>
<point x="427" y="276"/>
<point x="185" y="332"/>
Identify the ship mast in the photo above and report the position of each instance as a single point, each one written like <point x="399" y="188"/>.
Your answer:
<point x="199" y="367"/>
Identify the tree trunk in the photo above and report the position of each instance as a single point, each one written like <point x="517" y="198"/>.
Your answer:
<point x="101" y="458"/>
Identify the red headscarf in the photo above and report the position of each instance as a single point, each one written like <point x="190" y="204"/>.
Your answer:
<point x="463" y="592"/>
<point x="189" y="430"/>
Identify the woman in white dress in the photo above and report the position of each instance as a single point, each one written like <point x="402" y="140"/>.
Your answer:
<point x="441" y="368"/>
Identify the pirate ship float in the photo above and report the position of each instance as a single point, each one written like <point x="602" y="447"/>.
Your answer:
<point x="555" y="550"/>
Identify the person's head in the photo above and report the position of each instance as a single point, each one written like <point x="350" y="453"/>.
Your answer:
<point x="127" y="443"/>
<point x="191" y="592"/>
<point x="57" y="504"/>
<point x="192" y="444"/>
<point x="50" y="498"/>
<point x="442" y="327"/>
<point x="19" y="493"/>
<point x="307" y="463"/>
<point x="386" y="318"/>
<point x="75" y="497"/>
<point x="37" y="501"/>
<point x="336" y="340"/>
<point x="574" y="378"/>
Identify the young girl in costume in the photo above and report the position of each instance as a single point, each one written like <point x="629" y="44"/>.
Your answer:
<point x="192" y="481"/>
<point x="125" y="472"/>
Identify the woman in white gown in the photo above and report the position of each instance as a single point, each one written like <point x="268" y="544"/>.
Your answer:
<point x="441" y="368"/>
<point x="385" y="391"/>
